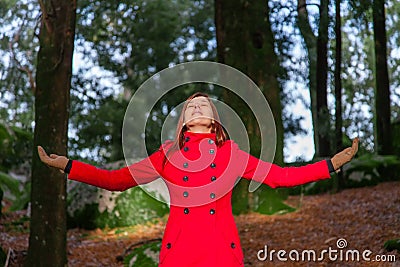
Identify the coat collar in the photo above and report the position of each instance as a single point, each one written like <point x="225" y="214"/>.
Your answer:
<point x="196" y="137"/>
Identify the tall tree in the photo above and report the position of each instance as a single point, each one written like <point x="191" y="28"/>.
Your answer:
<point x="382" y="89"/>
<point x="47" y="241"/>
<point x="338" y="85"/>
<point x="323" y="119"/>
<point x="310" y="41"/>
<point x="245" y="41"/>
<point x="317" y="47"/>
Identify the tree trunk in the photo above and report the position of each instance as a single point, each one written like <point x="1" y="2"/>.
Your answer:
<point x="338" y="89"/>
<point x="245" y="41"/>
<point x="318" y="71"/>
<point x="47" y="241"/>
<point x="311" y="44"/>
<point x="382" y="93"/>
<point x="323" y="119"/>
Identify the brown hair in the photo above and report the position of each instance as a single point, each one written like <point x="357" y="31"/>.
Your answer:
<point x="179" y="140"/>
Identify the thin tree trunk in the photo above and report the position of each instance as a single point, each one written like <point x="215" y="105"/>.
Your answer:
<point x="311" y="44"/>
<point x="47" y="241"/>
<point x="323" y="119"/>
<point x="382" y="93"/>
<point x="338" y="88"/>
<point x="318" y="67"/>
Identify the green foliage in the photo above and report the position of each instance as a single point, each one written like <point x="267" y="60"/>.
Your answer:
<point x="264" y="200"/>
<point x="20" y="196"/>
<point x="15" y="153"/>
<point x="368" y="169"/>
<point x="84" y="218"/>
<point x="270" y="201"/>
<point x="145" y="255"/>
<point x="133" y="206"/>
<point x="22" y="200"/>
<point x="99" y="130"/>
<point x="130" y="41"/>
<point x="3" y="257"/>
<point x="9" y="184"/>
<point x="90" y="207"/>
<point x="393" y="244"/>
<point x="18" y="47"/>
<point x="15" y="146"/>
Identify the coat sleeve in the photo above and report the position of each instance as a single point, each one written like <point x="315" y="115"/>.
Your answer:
<point x="276" y="176"/>
<point x="142" y="172"/>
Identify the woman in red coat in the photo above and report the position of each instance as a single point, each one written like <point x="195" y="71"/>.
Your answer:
<point x="200" y="168"/>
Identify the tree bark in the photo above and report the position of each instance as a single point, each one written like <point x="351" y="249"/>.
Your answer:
<point x="323" y="119"/>
<point x="245" y="41"/>
<point x="338" y="88"/>
<point x="311" y="44"/>
<point x="382" y="92"/>
<point x="318" y="70"/>
<point x="47" y="241"/>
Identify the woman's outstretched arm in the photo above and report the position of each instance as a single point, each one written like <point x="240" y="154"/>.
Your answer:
<point x="141" y="172"/>
<point x="276" y="176"/>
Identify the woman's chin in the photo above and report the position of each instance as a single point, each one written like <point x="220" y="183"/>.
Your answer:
<point x="198" y="123"/>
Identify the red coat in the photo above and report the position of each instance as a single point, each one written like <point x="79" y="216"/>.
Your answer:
<point x="201" y="230"/>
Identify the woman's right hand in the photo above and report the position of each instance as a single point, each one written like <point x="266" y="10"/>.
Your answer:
<point x="56" y="161"/>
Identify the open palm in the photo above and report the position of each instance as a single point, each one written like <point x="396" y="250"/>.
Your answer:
<point x="53" y="160"/>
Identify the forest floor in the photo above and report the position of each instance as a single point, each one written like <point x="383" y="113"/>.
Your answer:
<point x="352" y="220"/>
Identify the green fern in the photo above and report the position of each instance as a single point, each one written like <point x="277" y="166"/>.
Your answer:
<point x="9" y="184"/>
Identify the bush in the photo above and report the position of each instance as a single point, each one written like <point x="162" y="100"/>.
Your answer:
<point x="370" y="169"/>
<point x="393" y="244"/>
<point x="366" y="170"/>
<point x="90" y="207"/>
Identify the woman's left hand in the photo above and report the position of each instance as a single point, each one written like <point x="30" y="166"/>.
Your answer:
<point x="345" y="155"/>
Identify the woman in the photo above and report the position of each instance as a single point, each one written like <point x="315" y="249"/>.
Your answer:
<point x="200" y="168"/>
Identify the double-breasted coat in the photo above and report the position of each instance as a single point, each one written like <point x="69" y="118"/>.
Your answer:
<point x="201" y="230"/>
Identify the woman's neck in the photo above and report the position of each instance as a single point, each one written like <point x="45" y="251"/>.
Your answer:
<point x="199" y="129"/>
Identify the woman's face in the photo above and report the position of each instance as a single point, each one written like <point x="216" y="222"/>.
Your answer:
<point x="198" y="113"/>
